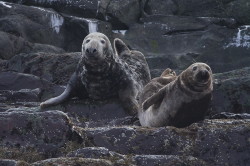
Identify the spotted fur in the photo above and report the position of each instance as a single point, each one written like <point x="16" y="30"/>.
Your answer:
<point x="180" y="102"/>
<point x="104" y="74"/>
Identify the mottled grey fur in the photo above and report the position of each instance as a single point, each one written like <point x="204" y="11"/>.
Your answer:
<point x="102" y="74"/>
<point x="181" y="102"/>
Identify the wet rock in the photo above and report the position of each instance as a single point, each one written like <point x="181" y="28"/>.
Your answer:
<point x="96" y="153"/>
<point x="211" y="8"/>
<point x="228" y="115"/>
<point x="24" y="90"/>
<point x="120" y="13"/>
<point x="232" y="89"/>
<point x="240" y="10"/>
<point x="56" y="68"/>
<point x="22" y="21"/>
<point x="51" y="28"/>
<point x="11" y="45"/>
<point x="160" y="7"/>
<point x="176" y="42"/>
<point x="72" y="162"/>
<point x="77" y="28"/>
<point x="88" y="113"/>
<point x="5" y="162"/>
<point x="82" y="8"/>
<point x="17" y="81"/>
<point x="39" y="132"/>
<point x="213" y="141"/>
<point x="167" y="160"/>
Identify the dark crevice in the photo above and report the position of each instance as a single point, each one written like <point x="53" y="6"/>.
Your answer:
<point x="186" y="31"/>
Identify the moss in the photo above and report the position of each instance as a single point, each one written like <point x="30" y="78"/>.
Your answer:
<point x="71" y="146"/>
<point x="27" y="155"/>
<point x="155" y="46"/>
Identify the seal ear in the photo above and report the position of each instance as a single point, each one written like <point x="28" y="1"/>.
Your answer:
<point x="120" y="46"/>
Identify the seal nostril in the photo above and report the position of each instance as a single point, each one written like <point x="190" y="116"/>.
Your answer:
<point x="94" y="50"/>
<point x="87" y="50"/>
<point x="202" y="75"/>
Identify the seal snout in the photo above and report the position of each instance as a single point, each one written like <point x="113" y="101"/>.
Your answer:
<point x="202" y="76"/>
<point x="91" y="50"/>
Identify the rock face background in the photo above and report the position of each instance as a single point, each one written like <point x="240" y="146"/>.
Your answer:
<point x="40" y="44"/>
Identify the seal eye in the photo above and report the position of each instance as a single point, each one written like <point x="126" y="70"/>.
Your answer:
<point x="87" y="41"/>
<point x="194" y="68"/>
<point x="103" y="41"/>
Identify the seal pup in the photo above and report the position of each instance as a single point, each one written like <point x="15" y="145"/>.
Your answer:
<point x="156" y="84"/>
<point x="183" y="101"/>
<point x="104" y="74"/>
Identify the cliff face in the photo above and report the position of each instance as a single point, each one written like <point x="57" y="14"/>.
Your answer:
<point x="40" y="41"/>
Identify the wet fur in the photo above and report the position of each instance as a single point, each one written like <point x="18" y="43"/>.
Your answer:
<point x="180" y="102"/>
<point x="107" y="75"/>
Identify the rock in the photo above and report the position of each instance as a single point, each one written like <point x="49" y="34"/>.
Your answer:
<point x="119" y="13"/>
<point x="3" y="64"/>
<point x="22" y="21"/>
<point x="82" y="8"/>
<point x="24" y="90"/>
<point x="41" y="133"/>
<point x="176" y="42"/>
<point x="232" y="89"/>
<point x="95" y="153"/>
<point x="228" y="115"/>
<point x="73" y="162"/>
<point x="18" y="81"/>
<point x="5" y="162"/>
<point x="210" y="8"/>
<point x="11" y="45"/>
<point x="51" y="28"/>
<point x="217" y="142"/>
<point x="240" y="10"/>
<point x="21" y="82"/>
<point x="167" y="160"/>
<point x="88" y="113"/>
<point x="77" y="28"/>
<point x="56" y="68"/>
<point x="160" y="7"/>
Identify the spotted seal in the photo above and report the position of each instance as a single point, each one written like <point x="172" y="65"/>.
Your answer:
<point x="182" y="101"/>
<point x="104" y="74"/>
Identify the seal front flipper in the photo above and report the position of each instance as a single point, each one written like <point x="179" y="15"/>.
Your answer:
<point x="154" y="99"/>
<point x="68" y="92"/>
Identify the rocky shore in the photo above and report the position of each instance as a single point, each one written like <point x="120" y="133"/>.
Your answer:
<point x="40" y="43"/>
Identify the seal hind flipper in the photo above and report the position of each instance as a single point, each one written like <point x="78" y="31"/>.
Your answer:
<point x="59" y="99"/>
<point x="155" y="98"/>
<point x="68" y="92"/>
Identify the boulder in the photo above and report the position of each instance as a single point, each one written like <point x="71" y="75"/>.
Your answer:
<point x="56" y="68"/>
<point x="11" y="45"/>
<point x="89" y="113"/>
<point x="24" y="90"/>
<point x="177" y="42"/>
<point x="233" y="90"/>
<point x="53" y="28"/>
<point x="6" y="162"/>
<point x="22" y="21"/>
<point x="240" y="10"/>
<point x="167" y="160"/>
<point x="216" y="142"/>
<point x="81" y="8"/>
<point x="41" y="133"/>
<point x="160" y="7"/>
<point x="121" y="14"/>
<point x="73" y="162"/>
<point x="95" y="153"/>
